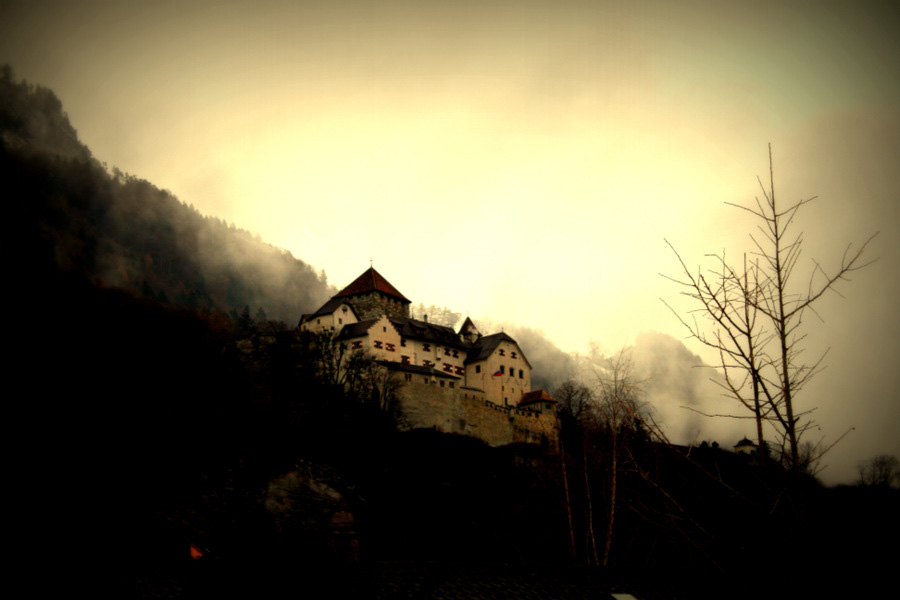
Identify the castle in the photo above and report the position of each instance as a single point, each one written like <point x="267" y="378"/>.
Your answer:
<point x="455" y="382"/>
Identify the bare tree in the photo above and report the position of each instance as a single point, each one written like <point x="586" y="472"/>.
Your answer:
<point x="604" y="419"/>
<point x="574" y="403"/>
<point x="385" y="384"/>
<point x="880" y="471"/>
<point x="728" y="300"/>
<point x="618" y="417"/>
<point x="439" y="315"/>
<point x="753" y="315"/>
<point x="349" y="370"/>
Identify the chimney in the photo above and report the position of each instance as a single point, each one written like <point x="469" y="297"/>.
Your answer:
<point x="425" y="318"/>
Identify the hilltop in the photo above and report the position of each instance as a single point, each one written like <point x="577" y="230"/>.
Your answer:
<point x="73" y="215"/>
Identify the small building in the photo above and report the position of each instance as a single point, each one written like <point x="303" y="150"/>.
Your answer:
<point x="538" y="400"/>
<point x="745" y="446"/>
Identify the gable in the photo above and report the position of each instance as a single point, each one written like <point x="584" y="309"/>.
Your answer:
<point x="487" y="345"/>
<point x="371" y="281"/>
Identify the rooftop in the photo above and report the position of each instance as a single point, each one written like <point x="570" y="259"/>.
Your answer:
<point x="371" y="281"/>
<point x="486" y="345"/>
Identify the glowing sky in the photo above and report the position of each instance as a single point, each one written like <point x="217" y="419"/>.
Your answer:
<point x="522" y="161"/>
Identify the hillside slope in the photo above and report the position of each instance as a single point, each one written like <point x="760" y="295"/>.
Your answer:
<point x="121" y="231"/>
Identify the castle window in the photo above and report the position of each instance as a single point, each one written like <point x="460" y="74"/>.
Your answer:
<point x="502" y="370"/>
<point x="357" y="345"/>
<point x="520" y="374"/>
<point x="514" y="355"/>
<point x="378" y="344"/>
<point x="459" y="370"/>
<point x="451" y="384"/>
<point x="478" y="368"/>
<point x="390" y="347"/>
<point x="407" y="376"/>
<point x="448" y="367"/>
<point x="403" y="342"/>
<point x="502" y="352"/>
<point x="446" y="351"/>
<point x="442" y="383"/>
<point x="426" y="347"/>
<point x="455" y="354"/>
<point x="404" y="360"/>
<point x="340" y="321"/>
<point x="384" y="329"/>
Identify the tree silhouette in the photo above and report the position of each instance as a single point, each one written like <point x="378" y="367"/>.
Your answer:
<point x="880" y="471"/>
<point x="752" y="313"/>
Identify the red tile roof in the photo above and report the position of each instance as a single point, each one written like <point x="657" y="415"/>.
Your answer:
<point x="371" y="281"/>
<point x="536" y="396"/>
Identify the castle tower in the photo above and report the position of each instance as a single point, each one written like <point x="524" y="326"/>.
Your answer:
<point x="371" y="296"/>
<point x="468" y="332"/>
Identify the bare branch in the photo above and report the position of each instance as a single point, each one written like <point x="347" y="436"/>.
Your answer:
<point x="753" y="318"/>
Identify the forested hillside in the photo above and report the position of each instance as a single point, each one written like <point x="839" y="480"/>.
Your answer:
<point x="122" y="231"/>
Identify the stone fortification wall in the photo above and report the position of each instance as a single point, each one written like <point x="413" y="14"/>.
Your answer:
<point x="373" y="305"/>
<point x="455" y="410"/>
<point x="427" y="405"/>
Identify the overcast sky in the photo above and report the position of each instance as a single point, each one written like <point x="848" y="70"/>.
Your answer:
<point x="520" y="161"/>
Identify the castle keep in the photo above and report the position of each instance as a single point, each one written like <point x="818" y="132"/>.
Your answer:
<point x="453" y="381"/>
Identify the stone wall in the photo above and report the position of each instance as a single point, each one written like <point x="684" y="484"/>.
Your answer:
<point x="464" y="411"/>
<point x="427" y="405"/>
<point x="373" y="305"/>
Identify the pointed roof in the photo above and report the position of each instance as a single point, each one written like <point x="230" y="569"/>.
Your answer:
<point x="371" y="281"/>
<point x="331" y="306"/>
<point x="467" y="326"/>
<point x="486" y="345"/>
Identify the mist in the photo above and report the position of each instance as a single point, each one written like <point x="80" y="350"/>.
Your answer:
<point x="677" y="386"/>
<point x="122" y="231"/>
<point x="550" y="366"/>
<point x="682" y="391"/>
